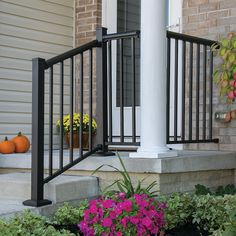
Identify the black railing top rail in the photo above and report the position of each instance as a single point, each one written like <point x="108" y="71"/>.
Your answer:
<point x="73" y="52"/>
<point x="190" y="38"/>
<point x="124" y="35"/>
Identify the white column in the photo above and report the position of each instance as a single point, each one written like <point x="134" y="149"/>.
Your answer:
<point x="153" y="81"/>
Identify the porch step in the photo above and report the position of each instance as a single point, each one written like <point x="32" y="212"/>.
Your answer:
<point x="16" y="186"/>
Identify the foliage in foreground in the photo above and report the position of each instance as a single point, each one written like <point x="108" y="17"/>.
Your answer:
<point x="70" y="215"/>
<point x="29" y="224"/>
<point x="208" y="212"/>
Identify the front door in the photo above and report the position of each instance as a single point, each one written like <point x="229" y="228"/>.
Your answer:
<point x="122" y="16"/>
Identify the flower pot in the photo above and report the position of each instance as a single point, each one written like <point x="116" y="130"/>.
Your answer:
<point x="76" y="140"/>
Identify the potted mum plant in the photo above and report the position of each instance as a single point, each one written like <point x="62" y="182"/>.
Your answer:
<point x="76" y="129"/>
<point x="225" y="74"/>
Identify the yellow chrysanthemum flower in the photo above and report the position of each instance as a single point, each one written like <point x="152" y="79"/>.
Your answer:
<point x="76" y="123"/>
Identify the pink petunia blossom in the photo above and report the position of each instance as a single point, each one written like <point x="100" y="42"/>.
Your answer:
<point x="107" y="222"/>
<point x="107" y="203"/>
<point x="146" y="221"/>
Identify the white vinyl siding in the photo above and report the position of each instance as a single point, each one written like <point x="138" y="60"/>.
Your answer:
<point x="29" y="29"/>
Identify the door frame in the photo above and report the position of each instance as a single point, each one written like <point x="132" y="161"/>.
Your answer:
<point x="109" y="20"/>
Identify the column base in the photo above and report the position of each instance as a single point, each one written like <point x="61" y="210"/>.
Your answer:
<point x="158" y="152"/>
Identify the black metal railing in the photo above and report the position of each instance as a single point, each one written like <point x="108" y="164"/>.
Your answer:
<point x="189" y="89"/>
<point x="40" y="67"/>
<point x="125" y="47"/>
<point x="112" y="50"/>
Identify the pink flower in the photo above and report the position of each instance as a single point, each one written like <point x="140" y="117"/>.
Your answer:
<point x="121" y="195"/>
<point x="134" y="220"/>
<point x="107" y="203"/>
<point x="124" y="222"/>
<point x="117" y="210"/>
<point x="107" y="222"/>
<point x="147" y="222"/>
<point x="93" y="209"/>
<point x="118" y="233"/>
<point x="126" y="205"/>
<point x="231" y="95"/>
<point x="112" y="215"/>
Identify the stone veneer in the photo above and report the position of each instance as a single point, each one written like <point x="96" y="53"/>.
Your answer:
<point x="212" y="19"/>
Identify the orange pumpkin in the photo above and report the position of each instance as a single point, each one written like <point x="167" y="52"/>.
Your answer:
<point x="21" y="142"/>
<point x="233" y="114"/>
<point x="7" y="147"/>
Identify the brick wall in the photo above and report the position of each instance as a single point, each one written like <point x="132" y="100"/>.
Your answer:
<point x="213" y="19"/>
<point x="88" y="16"/>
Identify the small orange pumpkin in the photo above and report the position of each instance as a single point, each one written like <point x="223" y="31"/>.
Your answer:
<point x="21" y="142"/>
<point x="7" y="147"/>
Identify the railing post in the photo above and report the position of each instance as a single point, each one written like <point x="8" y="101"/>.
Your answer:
<point x="101" y="88"/>
<point x="37" y="165"/>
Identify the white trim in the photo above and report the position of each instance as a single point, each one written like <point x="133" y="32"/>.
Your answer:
<point x="109" y="15"/>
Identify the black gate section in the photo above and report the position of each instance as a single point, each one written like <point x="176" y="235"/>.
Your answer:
<point x="189" y="89"/>
<point x="192" y="106"/>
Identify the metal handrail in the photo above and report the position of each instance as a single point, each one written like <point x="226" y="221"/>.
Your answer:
<point x="73" y="52"/>
<point x="189" y="38"/>
<point x="124" y="35"/>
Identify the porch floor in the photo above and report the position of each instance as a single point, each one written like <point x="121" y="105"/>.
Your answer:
<point x="186" y="161"/>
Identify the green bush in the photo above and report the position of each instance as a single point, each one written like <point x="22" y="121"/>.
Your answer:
<point x="230" y="227"/>
<point x="68" y="214"/>
<point x="29" y="224"/>
<point x="220" y="191"/>
<point x="207" y="212"/>
<point x="178" y="211"/>
<point x="211" y="212"/>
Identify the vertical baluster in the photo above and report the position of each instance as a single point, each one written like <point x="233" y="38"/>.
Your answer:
<point x="50" y="120"/>
<point x="210" y="94"/>
<point x="133" y="91"/>
<point x="71" y="106"/>
<point x="204" y="93"/>
<point x="183" y="90"/>
<point x="121" y="92"/>
<point x="110" y="88"/>
<point x="190" y="89"/>
<point x="90" y="98"/>
<point x="176" y="91"/>
<point x="81" y="103"/>
<point x="168" y="92"/>
<point x="61" y="114"/>
<point x="197" y="90"/>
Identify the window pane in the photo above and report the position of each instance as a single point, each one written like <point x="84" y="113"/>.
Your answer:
<point x="128" y="19"/>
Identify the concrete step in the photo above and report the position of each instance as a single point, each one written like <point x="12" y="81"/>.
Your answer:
<point x="16" y="186"/>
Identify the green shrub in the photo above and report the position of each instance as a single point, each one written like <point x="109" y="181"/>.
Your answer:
<point x="29" y="224"/>
<point x="220" y="191"/>
<point x="207" y="212"/>
<point x="230" y="227"/>
<point x="68" y="214"/>
<point x="179" y="209"/>
<point x="211" y="212"/>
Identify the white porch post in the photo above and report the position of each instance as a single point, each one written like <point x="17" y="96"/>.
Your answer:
<point x="153" y="81"/>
